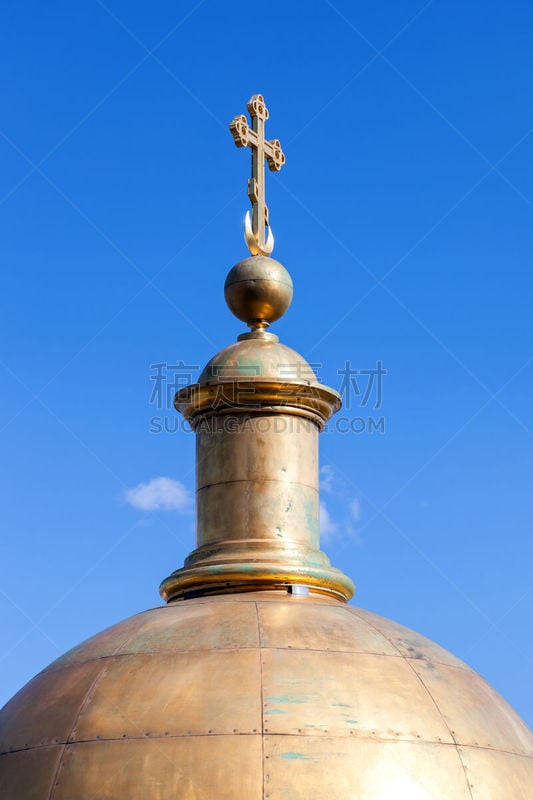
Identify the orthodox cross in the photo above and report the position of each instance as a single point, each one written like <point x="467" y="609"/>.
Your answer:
<point x="254" y="137"/>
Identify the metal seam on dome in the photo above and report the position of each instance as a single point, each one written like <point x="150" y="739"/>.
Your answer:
<point x="463" y="666"/>
<point x="297" y="733"/>
<point x="84" y="704"/>
<point x="445" y="722"/>
<point x="379" y="632"/>
<point x="87" y="695"/>
<point x="294" y="648"/>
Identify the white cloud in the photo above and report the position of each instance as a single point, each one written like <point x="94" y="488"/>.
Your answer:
<point x="355" y="508"/>
<point x="327" y="527"/>
<point x="326" y="478"/>
<point x="352" y="534"/>
<point x="159" y="494"/>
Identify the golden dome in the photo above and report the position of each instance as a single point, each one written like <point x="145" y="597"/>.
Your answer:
<point x="257" y="355"/>
<point x="261" y="695"/>
<point x="257" y="680"/>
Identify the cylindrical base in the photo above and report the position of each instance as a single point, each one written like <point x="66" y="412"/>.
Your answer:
<point x="257" y="508"/>
<point x="257" y="478"/>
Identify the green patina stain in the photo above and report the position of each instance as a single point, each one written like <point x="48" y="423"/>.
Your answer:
<point x="285" y="698"/>
<point x="274" y="711"/>
<point x="352" y="721"/>
<point x="249" y="366"/>
<point x="312" y="519"/>
<point x="302" y="756"/>
<point x="226" y="368"/>
<point x="341" y="705"/>
<point x="217" y="568"/>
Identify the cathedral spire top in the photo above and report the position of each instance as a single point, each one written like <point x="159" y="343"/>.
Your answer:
<point x="254" y="137"/>
<point x="257" y="410"/>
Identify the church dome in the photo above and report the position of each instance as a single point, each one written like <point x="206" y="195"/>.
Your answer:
<point x="257" y="680"/>
<point x="261" y="695"/>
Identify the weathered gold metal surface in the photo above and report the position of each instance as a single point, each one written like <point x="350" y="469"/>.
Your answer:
<point x="29" y="774"/>
<point x="46" y="711"/>
<point x="258" y="358"/>
<point x="266" y="509"/>
<point x="107" y="642"/>
<point x="226" y="567"/>
<point x="302" y="696"/>
<point x="299" y="627"/>
<point x="332" y="768"/>
<point x="198" y="693"/>
<point x="194" y="627"/>
<point x="254" y="137"/>
<point x="454" y="689"/>
<point x="357" y="694"/>
<point x="241" y="399"/>
<point x="184" y="768"/>
<point x="407" y="642"/>
<point x="493" y="775"/>
<point x="285" y="451"/>
<point x="257" y="411"/>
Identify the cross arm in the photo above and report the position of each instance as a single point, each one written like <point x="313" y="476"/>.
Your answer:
<point x="274" y="155"/>
<point x="242" y="134"/>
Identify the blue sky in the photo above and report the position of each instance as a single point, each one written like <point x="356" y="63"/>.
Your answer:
<point x="404" y="214"/>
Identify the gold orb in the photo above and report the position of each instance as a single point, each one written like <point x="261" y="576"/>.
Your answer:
<point x="258" y="290"/>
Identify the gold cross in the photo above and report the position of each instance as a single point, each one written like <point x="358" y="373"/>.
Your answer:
<point x="254" y="137"/>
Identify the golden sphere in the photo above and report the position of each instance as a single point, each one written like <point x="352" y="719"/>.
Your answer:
<point x="258" y="290"/>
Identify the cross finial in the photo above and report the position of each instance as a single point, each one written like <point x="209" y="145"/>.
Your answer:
<point x="254" y="137"/>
